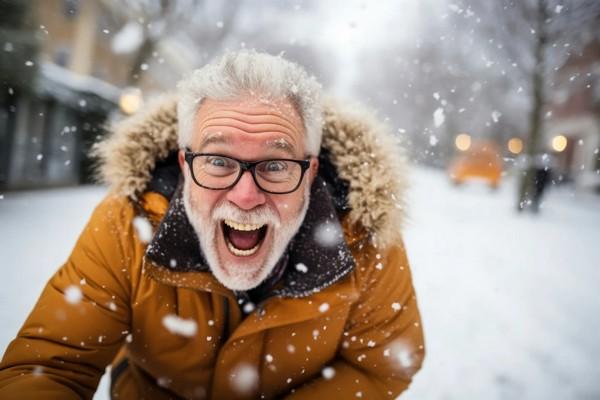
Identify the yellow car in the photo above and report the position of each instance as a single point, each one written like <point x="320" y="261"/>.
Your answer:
<point x="481" y="161"/>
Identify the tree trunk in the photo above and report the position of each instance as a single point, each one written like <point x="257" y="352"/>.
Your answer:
<point x="535" y="117"/>
<point x="142" y="56"/>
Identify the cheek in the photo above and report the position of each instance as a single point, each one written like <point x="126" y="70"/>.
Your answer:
<point x="288" y="206"/>
<point x="203" y="200"/>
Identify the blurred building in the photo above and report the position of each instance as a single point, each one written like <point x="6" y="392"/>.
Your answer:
<point x="64" y="66"/>
<point x="573" y="131"/>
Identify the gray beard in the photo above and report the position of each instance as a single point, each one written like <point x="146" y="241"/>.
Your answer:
<point x="242" y="276"/>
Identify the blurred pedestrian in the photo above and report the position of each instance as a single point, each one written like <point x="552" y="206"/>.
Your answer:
<point x="542" y="167"/>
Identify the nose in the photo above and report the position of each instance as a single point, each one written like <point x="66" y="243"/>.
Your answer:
<point x="245" y="194"/>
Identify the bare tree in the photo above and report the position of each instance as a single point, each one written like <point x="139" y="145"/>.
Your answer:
<point x="532" y="38"/>
<point x="206" y="22"/>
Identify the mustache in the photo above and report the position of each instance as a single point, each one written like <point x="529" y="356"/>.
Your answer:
<point x="258" y="216"/>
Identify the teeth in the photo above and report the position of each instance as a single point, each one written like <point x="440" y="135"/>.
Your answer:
<point x="242" y="227"/>
<point x="242" y="253"/>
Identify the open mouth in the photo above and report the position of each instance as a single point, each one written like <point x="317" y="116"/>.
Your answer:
<point x="243" y="240"/>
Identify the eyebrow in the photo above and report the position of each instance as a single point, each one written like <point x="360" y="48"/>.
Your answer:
<point x="281" y="144"/>
<point x="215" y="138"/>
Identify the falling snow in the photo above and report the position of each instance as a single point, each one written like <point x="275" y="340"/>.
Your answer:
<point x="180" y="326"/>
<point x="300" y="267"/>
<point x="249" y="307"/>
<point x="328" y="372"/>
<point x="328" y="234"/>
<point x="244" y="379"/>
<point x="143" y="228"/>
<point x="405" y="358"/>
<point x="496" y="116"/>
<point x="438" y="117"/>
<point x="73" y="294"/>
<point x="324" y="307"/>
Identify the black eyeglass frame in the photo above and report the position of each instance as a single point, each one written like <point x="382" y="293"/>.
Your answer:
<point x="246" y="166"/>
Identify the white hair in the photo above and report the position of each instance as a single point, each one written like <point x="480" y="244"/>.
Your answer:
<point x="243" y="73"/>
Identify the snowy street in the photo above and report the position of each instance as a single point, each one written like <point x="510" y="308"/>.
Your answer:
<point x="510" y="303"/>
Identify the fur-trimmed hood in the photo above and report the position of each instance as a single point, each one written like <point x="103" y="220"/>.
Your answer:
<point x="365" y="155"/>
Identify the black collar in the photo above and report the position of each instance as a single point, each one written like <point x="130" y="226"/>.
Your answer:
<point x="318" y="256"/>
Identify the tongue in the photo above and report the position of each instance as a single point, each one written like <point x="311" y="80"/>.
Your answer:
<point x="244" y="240"/>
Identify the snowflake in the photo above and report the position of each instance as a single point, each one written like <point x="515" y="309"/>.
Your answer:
<point x="328" y="372"/>
<point x="180" y="326"/>
<point x="438" y="117"/>
<point x="244" y="379"/>
<point x="143" y="229"/>
<point x="300" y="267"/>
<point x="73" y="294"/>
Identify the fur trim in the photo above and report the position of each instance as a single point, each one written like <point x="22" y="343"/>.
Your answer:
<point x="370" y="159"/>
<point x="126" y="158"/>
<point x="363" y="150"/>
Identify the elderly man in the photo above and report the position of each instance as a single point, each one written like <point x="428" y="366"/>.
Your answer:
<point x="249" y="248"/>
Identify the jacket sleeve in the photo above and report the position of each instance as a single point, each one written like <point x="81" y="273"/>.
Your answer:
<point x="81" y="317"/>
<point x="383" y="345"/>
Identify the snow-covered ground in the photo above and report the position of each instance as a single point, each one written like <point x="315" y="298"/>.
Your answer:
<point x="510" y="302"/>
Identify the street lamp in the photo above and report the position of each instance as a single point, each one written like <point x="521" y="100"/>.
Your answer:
<point x="130" y="100"/>
<point x="559" y="143"/>
<point x="463" y="142"/>
<point x="515" y="145"/>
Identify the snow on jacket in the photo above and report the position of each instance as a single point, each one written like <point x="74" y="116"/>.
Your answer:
<point x="342" y="321"/>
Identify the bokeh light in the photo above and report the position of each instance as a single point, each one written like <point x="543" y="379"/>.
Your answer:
<point x="463" y="142"/>
<point x="515" y="145"/>
<point x="559" y="143"/>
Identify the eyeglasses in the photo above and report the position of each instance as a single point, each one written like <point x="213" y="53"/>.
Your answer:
<point x="218" y="172"/>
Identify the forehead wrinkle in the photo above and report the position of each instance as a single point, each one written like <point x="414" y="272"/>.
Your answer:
<point x="251" y="128"/>
<point x="249" y="124"/>
<point x="227" y="124"/>
<point x="248" y="116"/>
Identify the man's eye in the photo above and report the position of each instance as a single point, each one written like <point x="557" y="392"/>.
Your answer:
<point x="274" y="166"/>
<point x="217" y="162"/>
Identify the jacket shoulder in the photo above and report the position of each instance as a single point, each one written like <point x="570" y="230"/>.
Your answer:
<point x="114" y="240"/>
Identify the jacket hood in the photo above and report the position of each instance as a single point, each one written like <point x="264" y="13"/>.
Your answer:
<point x="366" y="158"/>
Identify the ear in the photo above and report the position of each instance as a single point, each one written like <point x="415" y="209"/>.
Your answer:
<point x="314" y="168"/>
<point x="181" y="160"/>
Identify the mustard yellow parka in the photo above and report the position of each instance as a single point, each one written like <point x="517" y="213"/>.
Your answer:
<point x="344" y="324"/>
